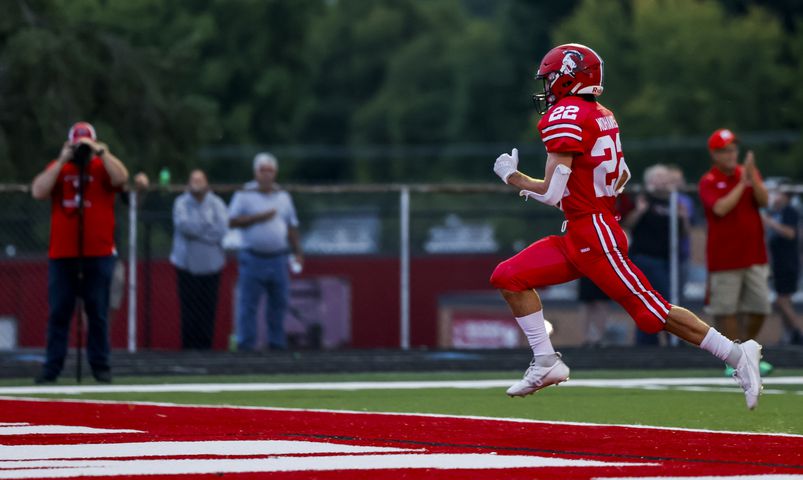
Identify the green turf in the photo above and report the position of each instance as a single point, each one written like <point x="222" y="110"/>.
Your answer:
<point x="676" y="408"/>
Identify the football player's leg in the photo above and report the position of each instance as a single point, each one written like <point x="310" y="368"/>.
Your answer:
<point x="615" y="274"/>
<point x="542" y="263"/>
<point x="623" y="282"/>
<point x="744" y="357"/>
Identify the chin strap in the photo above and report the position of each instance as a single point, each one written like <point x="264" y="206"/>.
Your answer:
<point x="557" y="185"/>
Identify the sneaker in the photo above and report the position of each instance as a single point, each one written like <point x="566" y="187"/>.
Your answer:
<point x="765" y="368"/>
<point x="747" y="373"/>
<point x="544" y="370"/>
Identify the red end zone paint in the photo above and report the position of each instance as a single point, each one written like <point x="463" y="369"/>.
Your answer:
<point x="295" y="444"/>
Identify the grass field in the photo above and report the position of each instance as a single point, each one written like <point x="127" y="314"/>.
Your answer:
<point x="720" y="408"/>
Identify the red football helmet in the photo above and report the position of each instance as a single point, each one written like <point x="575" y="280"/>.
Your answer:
<point x="570" y="69"/>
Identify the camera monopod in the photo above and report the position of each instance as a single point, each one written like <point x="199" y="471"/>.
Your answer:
<point x="82" y="159"/>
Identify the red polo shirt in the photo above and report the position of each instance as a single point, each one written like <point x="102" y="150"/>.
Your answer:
<point x="99" y="196"/>
<point x="737" y="239"/>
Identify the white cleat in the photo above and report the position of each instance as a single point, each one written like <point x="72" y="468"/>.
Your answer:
<point x="544" y="370"/>
<point x="747" y="373"/>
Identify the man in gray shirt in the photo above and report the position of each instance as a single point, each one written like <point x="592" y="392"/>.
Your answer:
<point x="269" y="224"/>
<point x="199" y="221"/>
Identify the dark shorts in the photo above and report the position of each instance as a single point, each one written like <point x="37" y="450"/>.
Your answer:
<point x="785" y="281"/>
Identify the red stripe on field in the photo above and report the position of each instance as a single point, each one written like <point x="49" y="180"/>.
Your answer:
<point x="677" y="452"/>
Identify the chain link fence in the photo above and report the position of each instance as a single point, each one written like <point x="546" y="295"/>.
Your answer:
<point x="386" y="266"/>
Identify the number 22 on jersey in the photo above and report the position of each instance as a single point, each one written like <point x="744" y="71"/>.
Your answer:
<point x="611" y="175"/>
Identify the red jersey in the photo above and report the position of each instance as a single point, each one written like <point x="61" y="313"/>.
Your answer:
<point x="737" y="239"/>
<point x="590" y="133"/>
<point x="99" y="196"/>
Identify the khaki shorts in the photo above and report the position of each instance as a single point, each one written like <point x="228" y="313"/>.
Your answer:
<point x="739" y="291"/>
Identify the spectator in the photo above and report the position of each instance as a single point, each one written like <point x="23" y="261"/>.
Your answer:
<point x="269" y="224"/>
<point x="737" y="255"/>
<point x="200" y="221"/>
<point x="81" y="184"/>
<point x="649" y="223"/>
<point x="782" y="226"/>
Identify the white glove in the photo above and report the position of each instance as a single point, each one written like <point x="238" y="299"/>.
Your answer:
<point x="506" y="165"/>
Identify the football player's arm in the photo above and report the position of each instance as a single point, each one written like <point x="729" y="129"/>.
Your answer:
<point x="549" y="190"/>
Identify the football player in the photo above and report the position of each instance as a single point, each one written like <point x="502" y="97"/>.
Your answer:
<point x="585" y="171"/>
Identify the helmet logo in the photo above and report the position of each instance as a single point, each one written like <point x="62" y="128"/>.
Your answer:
<point x="570" y="60"/>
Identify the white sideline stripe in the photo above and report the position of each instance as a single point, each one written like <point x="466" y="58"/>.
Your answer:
<point x="396" y="385"/>
<point x="469" y="461"/>
<point x="173" y="449"/>
<point x="528" y="421"/>
<point x="57" y="430"/>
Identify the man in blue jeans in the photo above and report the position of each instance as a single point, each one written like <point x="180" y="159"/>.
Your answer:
<point x="81" y="185"/>
<point x="269" y="224"/>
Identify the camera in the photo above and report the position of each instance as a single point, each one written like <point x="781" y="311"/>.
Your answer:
<point x="81" y="154"/>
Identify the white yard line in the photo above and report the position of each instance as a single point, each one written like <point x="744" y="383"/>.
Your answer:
<point x="639" y="383"/>
<point x="459" y="461"/>
<point x="184" y="449"/>
<point x="26" y="429"/>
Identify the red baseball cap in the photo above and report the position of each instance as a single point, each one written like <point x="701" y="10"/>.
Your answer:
<point x="721" y="138"/>
<point x="81" y="130"/>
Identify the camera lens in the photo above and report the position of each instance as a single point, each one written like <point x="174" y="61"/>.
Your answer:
<point x="81" y="154"/>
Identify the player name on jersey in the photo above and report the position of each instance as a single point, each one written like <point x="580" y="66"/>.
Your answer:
<point x="607" y="123"/>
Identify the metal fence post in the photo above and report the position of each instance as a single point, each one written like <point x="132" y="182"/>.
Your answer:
<point x="674" y="246"/>
<point x="674" y="256"/>
<point x="132" y="271"/>
<point x="404" y="294"/>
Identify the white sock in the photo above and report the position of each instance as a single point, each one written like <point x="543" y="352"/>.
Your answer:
<point x="721" y="347"/>
<point x="534" y="328"/>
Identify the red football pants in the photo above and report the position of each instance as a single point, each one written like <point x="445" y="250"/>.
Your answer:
<point x="595" y="247"/>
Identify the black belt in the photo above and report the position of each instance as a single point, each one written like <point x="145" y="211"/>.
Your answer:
<point x="267" y="254"/>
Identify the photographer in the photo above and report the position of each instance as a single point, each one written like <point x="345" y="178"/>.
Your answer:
<point x="81" y="184"/>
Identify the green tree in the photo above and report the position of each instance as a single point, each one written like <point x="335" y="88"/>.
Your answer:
<point x="675" y="68"/>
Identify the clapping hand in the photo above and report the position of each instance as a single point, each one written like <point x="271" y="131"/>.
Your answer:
<point x="749" y="173"/>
